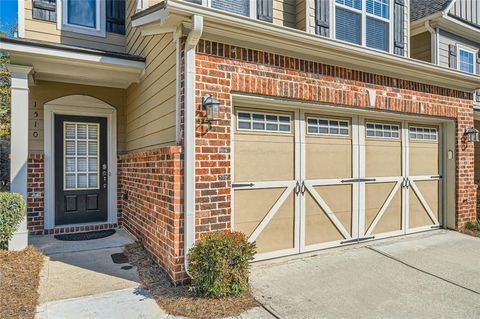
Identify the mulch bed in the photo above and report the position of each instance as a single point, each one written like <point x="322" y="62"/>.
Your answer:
<point x="471" y="232"/>
<point x="19" y="279"/>
<point x="180" y="301"/>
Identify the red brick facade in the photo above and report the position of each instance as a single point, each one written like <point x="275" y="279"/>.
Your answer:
<point x="224" y="69"/>
<point x="150" y="191"/>
<point x="36" y="202"/>
<point x="150" y="183"/>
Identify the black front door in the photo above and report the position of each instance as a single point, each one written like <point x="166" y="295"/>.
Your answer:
<point x="81" y="172"/>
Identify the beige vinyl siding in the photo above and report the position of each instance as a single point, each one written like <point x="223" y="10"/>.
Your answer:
<point x="422" y="47"/>
<point x="446" y="39"/>
<point x="284" y="13"/>
<point x="45" y="91"/>
<point x="47" y="31"/>
<point x="468" y="10"/>
<point x="150" y="120"/>
<point x="301" y="14"/>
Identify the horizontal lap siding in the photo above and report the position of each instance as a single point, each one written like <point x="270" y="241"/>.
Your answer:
<point x="301" y="14"/>
<point x="422" y="47"/>
<point x="45" y="91"/>
<point x="150" y="120"/>
<point x="47" y="31"/>
<point x="284" y="13"/>
<point x="446" y="39"/>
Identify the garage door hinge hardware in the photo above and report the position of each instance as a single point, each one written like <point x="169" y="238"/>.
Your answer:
<point x="235" y="185"/>
<point x="406" y="183"/>
<point x="297" y="188"/>
<point x="358" y="180"/>
<point x="303" y="188"/>
<point x="356" y="240"/>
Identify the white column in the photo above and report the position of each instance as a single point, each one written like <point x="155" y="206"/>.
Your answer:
<point x="19" y="145"/>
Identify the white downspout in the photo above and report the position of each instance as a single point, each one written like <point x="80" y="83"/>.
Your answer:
<point x="434" y="42"/>
<point x="189" y="137"/>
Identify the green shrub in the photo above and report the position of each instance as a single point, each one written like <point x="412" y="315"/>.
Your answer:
<point x="12" y="207"/>
<point x="219" y="264"/>
<point x="470" y="225"/>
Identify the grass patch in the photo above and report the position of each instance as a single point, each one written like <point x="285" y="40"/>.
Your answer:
<point x="472" y="229"/>
<point x="19" y="279"/>
<point x="179" y="301"/>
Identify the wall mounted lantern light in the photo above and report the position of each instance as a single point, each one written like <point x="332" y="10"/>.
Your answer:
<point x="212" y="108"/>
<point x="472" y="134"/>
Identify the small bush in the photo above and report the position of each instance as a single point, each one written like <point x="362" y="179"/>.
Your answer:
<point x="470" y="225"/>
<point x="219" y="264"/>
<point x="12" y="207"/>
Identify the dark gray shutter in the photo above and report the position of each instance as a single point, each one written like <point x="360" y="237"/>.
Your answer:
<point x="115" y="16"/>
<point x="44" y="10"/>
<point x="478" y="62"/>
<point x="399" y="27"/>
<point x="452" y="56"/>
<point x="322" y="17"/>
<point x="265" y="10"/>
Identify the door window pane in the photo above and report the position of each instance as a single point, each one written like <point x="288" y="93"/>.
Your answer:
<point x="81" y="156"/>
<point x="348" y="26"/>
<point x="82" y="13"/>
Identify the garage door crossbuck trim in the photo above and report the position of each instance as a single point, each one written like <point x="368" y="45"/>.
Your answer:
<point x="313" y="189"/>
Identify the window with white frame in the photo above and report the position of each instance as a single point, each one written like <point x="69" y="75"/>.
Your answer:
<point x="82" y="16"/>
<point x="382" y="130"/>
<point x="323" y="126"/>
<point x="253" y="121"/>
<point x="466" y="60"/>
<point x="423" y="133"/>
<point x="364" y="22"/>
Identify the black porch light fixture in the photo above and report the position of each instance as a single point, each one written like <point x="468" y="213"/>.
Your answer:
<point x="472" y="134"/>
<point x="212" y="108"/>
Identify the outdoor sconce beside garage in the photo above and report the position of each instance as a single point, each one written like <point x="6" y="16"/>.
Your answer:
<point x="212" y="108"/>
<point x="472" y="134"/>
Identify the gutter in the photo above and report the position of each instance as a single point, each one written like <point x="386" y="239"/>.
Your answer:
<point x="189" y="137"/>
<point x="434" y="42"/>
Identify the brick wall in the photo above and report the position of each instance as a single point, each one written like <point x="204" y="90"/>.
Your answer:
<point x="224" y="69"/>
<point x="150" y="184"/>
<point x="35" y="189"/>
<point x="36" y="202"/>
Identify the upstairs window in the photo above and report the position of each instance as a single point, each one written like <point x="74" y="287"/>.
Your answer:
<point x="466" y="60"/>
<point x="82" y="13"/>
<point x="369" y="26"/>
<point x="241" y="7"/>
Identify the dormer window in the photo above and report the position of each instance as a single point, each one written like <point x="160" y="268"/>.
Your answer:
<point x="364" y="22"/>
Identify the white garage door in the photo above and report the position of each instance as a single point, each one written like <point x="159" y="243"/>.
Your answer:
<point x="305" y="181"/>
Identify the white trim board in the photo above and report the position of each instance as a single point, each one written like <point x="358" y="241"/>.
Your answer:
<point x="84" y="106"/>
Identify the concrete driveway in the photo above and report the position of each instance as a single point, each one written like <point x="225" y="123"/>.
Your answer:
<point x="428" y="275"/>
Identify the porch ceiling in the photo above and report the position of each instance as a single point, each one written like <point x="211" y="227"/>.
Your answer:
<point x="52" y="62"/>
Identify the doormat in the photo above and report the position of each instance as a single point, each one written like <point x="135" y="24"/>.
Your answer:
<point x="119" y="258"/>
<point x="86" y="236"/>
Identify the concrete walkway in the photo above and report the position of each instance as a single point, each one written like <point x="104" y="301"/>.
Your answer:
<point x="429" y="275"/>
<point x="80" y="280"/>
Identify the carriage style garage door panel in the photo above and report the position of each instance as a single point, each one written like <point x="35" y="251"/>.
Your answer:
<point x="305" y="181"/>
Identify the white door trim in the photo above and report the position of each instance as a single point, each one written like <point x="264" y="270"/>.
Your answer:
<point x="79" y="105"/>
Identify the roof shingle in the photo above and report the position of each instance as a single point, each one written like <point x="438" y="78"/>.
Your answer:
<point x="423" y="8"/>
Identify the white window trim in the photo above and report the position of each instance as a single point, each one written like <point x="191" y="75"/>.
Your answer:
<point x="383" y="137"/>
<point x="327" y="119"/>
<point x="265" y="130"/>
<point x="364" y="14"/>
<point x="422" y="127"/>
<point x="253" y="7"/>
<point x="473" y="51"/>
<point x="62" y="20"/>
